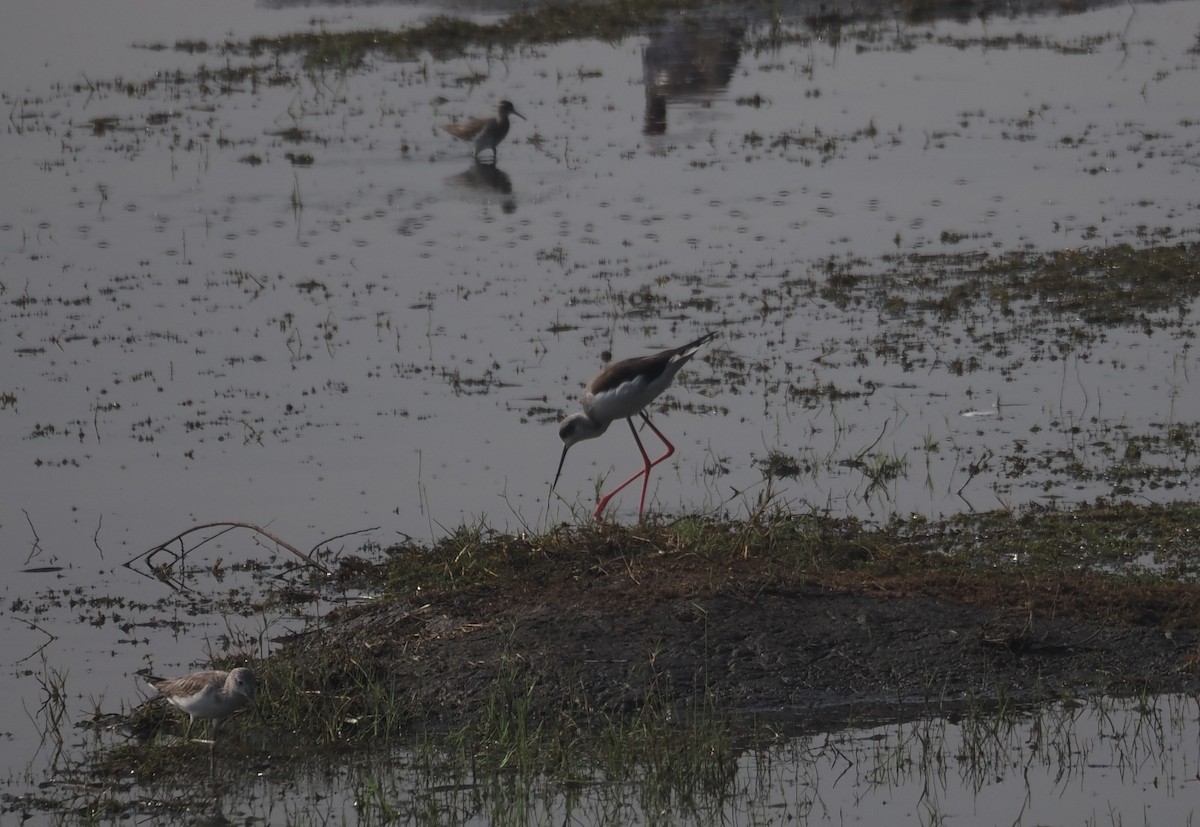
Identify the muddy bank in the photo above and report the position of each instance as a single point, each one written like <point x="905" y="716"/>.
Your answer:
<point x="630" y="621"/>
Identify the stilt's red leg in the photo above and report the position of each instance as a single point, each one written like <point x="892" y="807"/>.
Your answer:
<point x="644" y="473"/>
<point x="646" y="479"/>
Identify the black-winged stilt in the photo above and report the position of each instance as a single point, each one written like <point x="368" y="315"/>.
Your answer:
<point x="621" y="391"/>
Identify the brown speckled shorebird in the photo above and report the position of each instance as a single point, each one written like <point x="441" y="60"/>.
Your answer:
<point x="485" y="132"/>
<point x="210" y="694"/>
<point x="621" y="391"/>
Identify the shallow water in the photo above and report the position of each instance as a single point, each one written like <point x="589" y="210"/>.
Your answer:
<point x="1098" y="763"/>
<point x="387" y="336"/>
<point x="286" y="297"/>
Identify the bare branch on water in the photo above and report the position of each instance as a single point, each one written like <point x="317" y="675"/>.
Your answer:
<point x="163" y="572"/>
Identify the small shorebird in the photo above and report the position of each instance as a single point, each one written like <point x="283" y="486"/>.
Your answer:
<point x="211" y="694"/>
<point x="622" y="390"/>
<point x="485" y="132"/>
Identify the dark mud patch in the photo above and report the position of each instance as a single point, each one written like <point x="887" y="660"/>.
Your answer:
<point x="791" y="651"/>
<point x="830" y="625"/>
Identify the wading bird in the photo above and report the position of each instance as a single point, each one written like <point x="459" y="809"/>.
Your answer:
<point x="622" y="390"/>
<point x="485" y="132"/>
<point x="210" y="694"/>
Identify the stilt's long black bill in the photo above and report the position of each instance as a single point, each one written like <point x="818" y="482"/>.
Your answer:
<point x="560" y="465"/>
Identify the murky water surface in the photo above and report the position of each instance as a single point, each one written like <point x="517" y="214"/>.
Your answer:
<point x="233" y="288"/>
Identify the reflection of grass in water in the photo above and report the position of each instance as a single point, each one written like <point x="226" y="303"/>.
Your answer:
<point x="990" y="743"/>
<point x="51" y="715"/>
<point x="654" y="768"/>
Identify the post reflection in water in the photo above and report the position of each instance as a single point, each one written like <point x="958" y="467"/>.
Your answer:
<point x="688" y="58"/>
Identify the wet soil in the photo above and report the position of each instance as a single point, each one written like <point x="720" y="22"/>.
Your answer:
<point x="606" y="633"/>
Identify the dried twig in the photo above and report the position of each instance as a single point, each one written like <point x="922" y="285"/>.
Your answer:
<point x="329" y="540"/>
<point x="96" y="536"/>
<point x="37" y="541"/>
<point x="226" y="526"/>
<point x="51" y="637"/>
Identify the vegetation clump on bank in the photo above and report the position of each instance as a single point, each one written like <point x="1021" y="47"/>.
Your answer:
<point x="804" y="614"/>
<point x="652" y="655"/>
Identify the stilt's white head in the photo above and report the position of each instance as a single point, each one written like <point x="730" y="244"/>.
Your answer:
<point x="576" y="428"/>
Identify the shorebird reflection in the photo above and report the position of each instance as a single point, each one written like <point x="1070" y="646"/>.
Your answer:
<point x="488" y="180"/>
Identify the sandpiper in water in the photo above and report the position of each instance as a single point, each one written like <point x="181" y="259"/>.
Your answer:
<point x="485" y="132"/>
